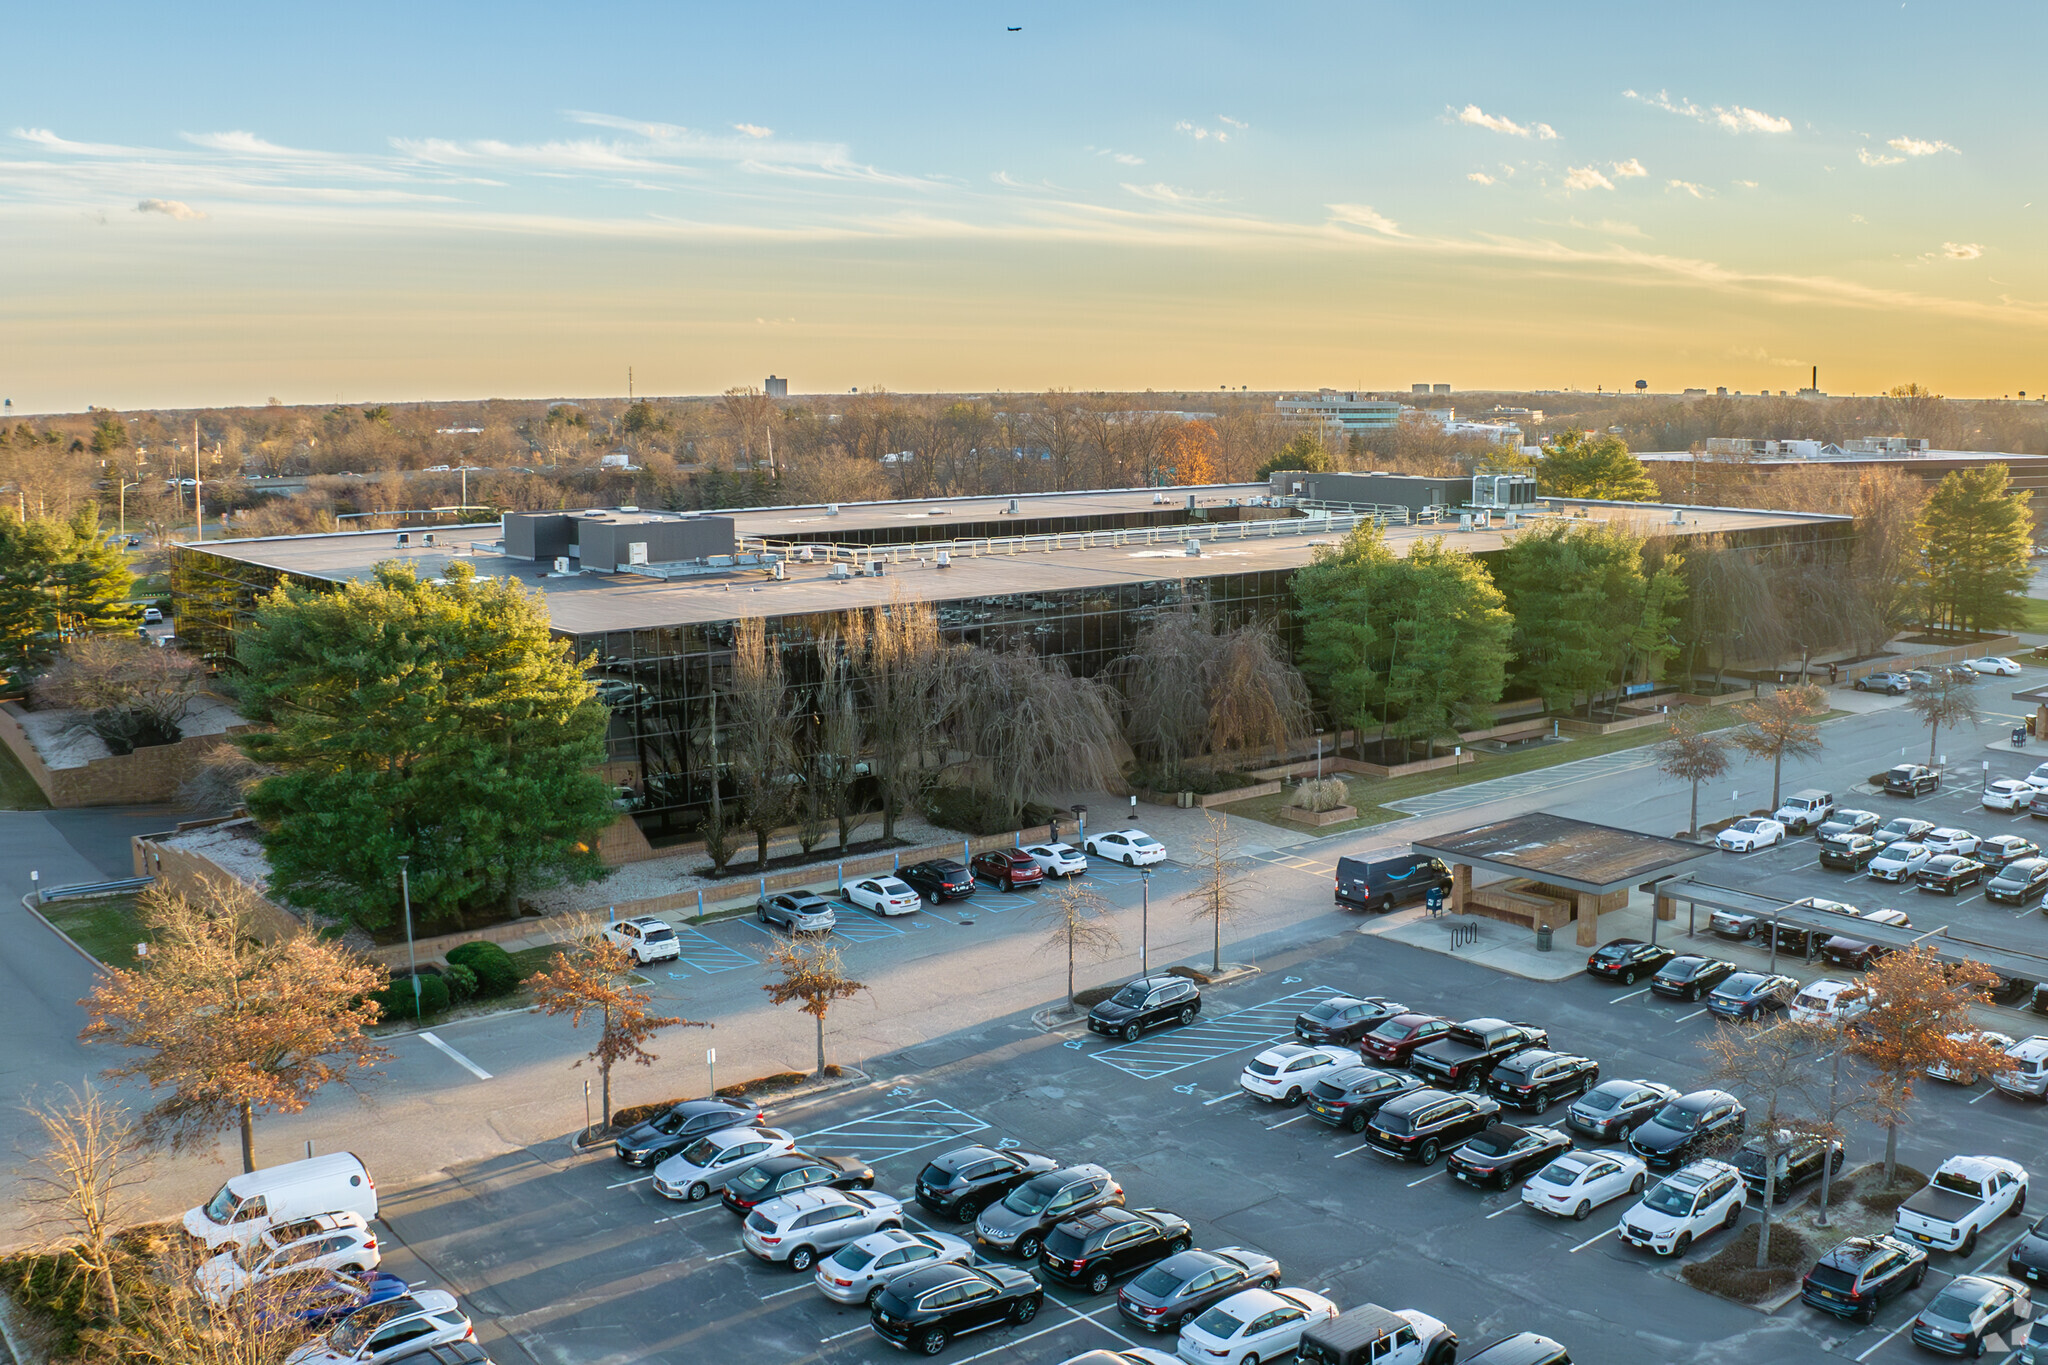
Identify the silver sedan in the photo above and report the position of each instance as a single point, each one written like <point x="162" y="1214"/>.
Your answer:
<point x="860" y="1270"/>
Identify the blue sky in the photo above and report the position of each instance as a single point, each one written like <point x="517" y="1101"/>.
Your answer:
<point x="230" y="203"/>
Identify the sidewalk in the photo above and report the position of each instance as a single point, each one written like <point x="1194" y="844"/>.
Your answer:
<point x="1510" y="948"/>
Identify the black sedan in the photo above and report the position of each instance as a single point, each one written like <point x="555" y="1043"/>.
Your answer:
<point x="1903" y="829"/>
<point x="661" y="1137"/>
<point x="1107" y="1244"/>
<point x="1506" y="1153"/>
<point x="1848" y="852"/>
<point x="1613" y="1109"/>
<point x="1344" y="1018"/>
<point x="2028" y="1260"/>
<point x="1625" y="959"/>
<point x="780" y="1175"/>
<point x="925" y="1309"/>
<point x="1752" y="995"/>
<point x="960" y="1184"/>
<point x="938" y="879"/>
<point x="1181" y="1288"/>
<point x="1949" y="873"/>
<point x="1801" y="1157"/>
<point x="1855" y="1279"/>
<point x="1538" y="1078"/>
<point x="1691" y="976"/>
<point x="1348" y="1098"/>
<point x="2017" y="883"/>
<point x="1687" y="1127"/>
<point x="2002" y="850"/>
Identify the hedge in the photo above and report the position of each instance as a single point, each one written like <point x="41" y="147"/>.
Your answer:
<point x="496" y="973"/>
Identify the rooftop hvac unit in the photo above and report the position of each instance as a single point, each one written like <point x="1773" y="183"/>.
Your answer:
<point x="875" y="568"/>
<point x="629" y="507"/>
<point x="636" y="552"/>
<point x="1191" y="502"/>
<point x="1678" y="516"/>
<point x="778" y="571"/>
<point x="831" y="509"/>
<point x="804" y="553"/>
<point x="840" y="571"/>
<point x="403" y="540"/>
<point x="428" y="538"/>
<point x="945" y="560"/>
<point x="1194" y="548"/>
<point x="1012" y="508"/>
<point x="1158" y="498"/>
<point x="561" y="563"/>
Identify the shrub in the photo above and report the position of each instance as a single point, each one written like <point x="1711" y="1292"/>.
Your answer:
<point x="1320" y="794"/>
<point x="397" y="998"/>
<point x="973" y="812"/>
<point x="496" y="973"/>
<point x="461" y="982"/>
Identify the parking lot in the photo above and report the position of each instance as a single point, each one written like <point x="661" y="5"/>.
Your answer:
<point x="577" y="1259"/>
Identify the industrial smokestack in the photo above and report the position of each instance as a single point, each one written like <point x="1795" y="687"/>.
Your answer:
<point x="1816" y="379"/>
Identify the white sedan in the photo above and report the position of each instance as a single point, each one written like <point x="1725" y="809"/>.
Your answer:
<point x="384" y="1331"/>
<point x="1578" y="1182"/>
<point x="1283" y="1074"/>
<point x="1747" y="835"/>
<point x="2003" y="667"/>
<point x="2007" y="794"/>
<point x="1257" y="1324"/>
<point x="1057" y="860"/>
<point x="884" y="896"/>
<point x="1131" y="847"/>
<point x="710" y="1161"/>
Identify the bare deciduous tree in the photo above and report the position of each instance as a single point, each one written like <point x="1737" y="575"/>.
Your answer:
<point x="761" y="751"/>
<point x="1217" y="896"/>
<point x="907" y="666"/>
<point x="1952" y="702"/>
<point x="1776" y="1071"/>
<point x="1078" y="925"/>
<point x="133" y="694"/>
<point x="1693" y="755"/>
<point x="1033" y="728"/>
<point x="85" y="1184"/>
<point x="1188" y="688"/>
<point x="1781" y="726"/>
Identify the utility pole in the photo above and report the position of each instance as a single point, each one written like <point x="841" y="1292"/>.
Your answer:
<point x="198" y="507"/>
<point x="629" y="386"/>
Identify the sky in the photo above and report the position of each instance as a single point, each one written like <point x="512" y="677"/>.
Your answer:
<point x="214" y="204"/>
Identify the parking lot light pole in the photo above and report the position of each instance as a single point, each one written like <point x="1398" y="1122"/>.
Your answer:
<point x="412" y="962"/>
<point x="1145" y="924"/>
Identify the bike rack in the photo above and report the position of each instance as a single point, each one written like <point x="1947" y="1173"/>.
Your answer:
<point x="1466" y="933"/>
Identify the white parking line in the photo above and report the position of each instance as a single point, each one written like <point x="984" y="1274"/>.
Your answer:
<point x="1630" y="996"/>
<point x="467" y="1065"/>
<point x="793" y="1289"/>
<point x="1984" y="1095"/>
<point x="1425" y="1180"/>
<point x="686" y="1213"/>
<point x="723" y="1254"/>
<point x="1349" y="1150"/>
<point x="847" y="1333"/>
<point x="634" y="1181"/>
<point x="1498" y="1212"/>
<point x="1886" y="1337"/>
<point x="1590" y="1240"/>
<point x="1694" y="1015"/>
<point x="1220" y="1098"/>
<point x="1019" y="1341"/>
<point x="1284" y="1122"/>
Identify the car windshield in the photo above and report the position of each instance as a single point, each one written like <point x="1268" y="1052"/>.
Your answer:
<point x="669" y="1124"/>
<point x="1829" y="1277"/>
<point x="357" y="1326"/>
<point x="659" y="932"/>
<point x="1742" y="983"/>
<point x="893" y="888"/>
<point x="1748" y="826"/>
<point x="221" y="1208"/>
<point x="1146" y="843"/>
<point x="1666" y="1198"/>
<point x="1218" y="1323"/>
<point x="1678" y="1116"/>
<point x="1600" y="1101"/>
<point x="702" y="1152"/>
<point x="852" y="1256"/>
<point x="1133" y="994"/>
<point x="1029" y="1198"/>
<point x="254" y="1254"/>
<point x="1900" y="826"/>
<point x="1325" y="1012"/>
<point x="1158" y="1282"/>
<point x="1394" y="1123"/>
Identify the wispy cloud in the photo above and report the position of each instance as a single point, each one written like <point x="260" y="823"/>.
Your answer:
<point x="754" y="130"/>
<point x="1476" y="117"/>
<point x="1693" y="188"/>
<point x="1870" y="158"/>
<point x="1479" y="177"/>
<point x="1160" y="192"/>
<point x="1365" y="216"/>
<point x="1961" y="251"/>
<point x="1120" y="158"/>
<point x="170" y="208"/>
<point x="1199" y="133"/>
<point x="1586" y="178"/>
<point x="1913" y="146"/>
<point x="1736" y="118"/>
<point x="1238" y="124"/>
<point x="1629" y="169"/>
<point x="1743" y="184"/>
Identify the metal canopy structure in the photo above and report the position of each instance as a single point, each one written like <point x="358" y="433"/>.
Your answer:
<point x="1575" y="854"/>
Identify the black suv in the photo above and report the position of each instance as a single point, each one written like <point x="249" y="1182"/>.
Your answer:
<point x="960" y="1184"/>
<point x="1625" y="959"/>
<point x="1855" y="1279"/>
<point x="661" y="1137"/>
<point x="2028" y="1259"/>
<point x="927" y="1308"/>
<point x="1348" y="1098"/>
<point x="1505" y="1153"/>
<point x="1344" y="1018"/>
<point x="1689" y="1126"/>
<point x="1613" y="1109"/>
<point x="1145" y="1004"/>
<point x="1911" y="779"/>
<point x="1105" y="1244"/>
<point x="1418" y="1126"/>
<point x="1536" y="1079"/>
<point x="1385" y="884"/>
<point x="1848" y="852"/>
<point x="938" y="879"/>
<point x="1691" y="976"/>
<point x="1800" y="1159"/>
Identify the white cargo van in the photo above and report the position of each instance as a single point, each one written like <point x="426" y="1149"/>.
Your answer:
<point x="238" y="1214"/>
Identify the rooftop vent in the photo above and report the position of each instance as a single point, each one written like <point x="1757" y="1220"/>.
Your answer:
<point x="831" y="509"/>
<point x="629" y="507"/>
<point x="1158" y="498"/>
<point x="1194" y="548"/>
<point x="1012" y="508"/>
<point x="840" y="571"/>
<point x="945" y="560"/>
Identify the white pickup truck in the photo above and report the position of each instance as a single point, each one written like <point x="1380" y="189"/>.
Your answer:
<point x="1967" y="1195"/>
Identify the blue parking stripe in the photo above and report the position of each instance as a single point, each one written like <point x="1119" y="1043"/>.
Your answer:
<point x="707" y="954"/>
<point x="1175" y="1049"/>
<point x="861" y="926"/>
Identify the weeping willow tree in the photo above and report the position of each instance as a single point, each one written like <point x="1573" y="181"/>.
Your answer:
<point x="1189" y="689"/>
<point x="1031" y="727"/>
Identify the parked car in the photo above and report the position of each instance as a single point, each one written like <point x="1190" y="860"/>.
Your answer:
<point x="1892" y="684"/>
<point x="1395" y="1041"/>
<point x="1699" y="1198"/>
<point x="795" y="1229"/>
<point x="1901" y="829"/>
<point x="2038" y="778"/>
<point x="1058" y="860"/>
<point x="1911" y="779"/>
<point x="860" y="1270"/>
<point x="1846" y="820"/>
<point x="1252" y="1326"/>
<point x="1372" y="1335"/>
<point x="1923" y="679"/>
<point x="1805" y="810"/>
<point x="2028" y="1259"/>
<point x="1800" y="1157"/>
<point x="1994" y="664"/>
<point x="884" y="896"/>
<point x="1018" y="1223"/>
<point x="326" y="1241"/>
<point x="2026" y="1076"/>
<point x="1851" y="954"/>
<point x="1465" y="1056"/>
<point x="1749" y="834"/>
<point x="1943" y="1071"/>
<point x="1899" y="862"/>
<point x="1008" y="868"/>
<point x="1131" y="847"/>
<point x="1418" y="1126"/>
<point x="241" y="1210"/>
<point x="1848" y="852"/>
<point x="2007" y="794"/>
<point x="1145" y="1004"/>
<point x="1383" y="884"/>
<point x="928" y="1307"/>
<point x="1752" y="995"/>
<point x="1181" y="1288"/>
<point x="1830" y="1000"/>
<point x="1691" y="976"/>
<point x="938" y="879"/>
<point x="1350" y="1097"/>
<point x="1535" y="1079"/>
<point x="1964" y="1196"/>
<point x="1692" y="1124"/>
<point x="2001" y="849"/>
<point x="380" y="1331"/>
<point x="2018" y="881"/>
<point x="1798" y="938"/>
<point x="1285" y="1072"/>
<point x="1523" y="1348"/>
<point x="648" y="939"/>
<point x="1504" y="1153"/>
<point x="1737" y="924"/>
<point x="960" y="1184"/>
<point x="1100" y="1247"/>
<point x="1626" y="959"/>
<point x="1949" y="840"/>
<point x="785" y="1175"/>
<point x="1855" y="1278"/>
<point x="1970" y="1308"/>
<point x="706" y="1164"/>
<point x="800" y="912"/>
<point x="661" y="1137"/>
<point x="1344" y="1018"/>
<point x="1948" y="873"/>
<point x="1578" y="1182"/>
<point x="1613" y="1109"/>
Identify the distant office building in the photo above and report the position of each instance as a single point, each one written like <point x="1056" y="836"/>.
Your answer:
<point x="1422" y="389"/>
<point x="1439" y="388"/>
<point x="1346" y="410"/>
<point x="777" y="387"/>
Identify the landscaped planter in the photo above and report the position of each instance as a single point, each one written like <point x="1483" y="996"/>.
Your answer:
<point x="1296" y="815"/>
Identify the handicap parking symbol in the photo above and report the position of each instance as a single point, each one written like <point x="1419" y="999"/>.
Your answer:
<point x="901" y="1090"/>
<point x="1007" y="1143"/>
<point x="1289" y="980"/>
<point x="1184" y="1090"/>
<point x="1076" y="1045"/>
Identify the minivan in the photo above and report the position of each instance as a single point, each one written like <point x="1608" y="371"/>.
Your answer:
<point x="241" y="1210"/>
<point x="1386" y="883"/>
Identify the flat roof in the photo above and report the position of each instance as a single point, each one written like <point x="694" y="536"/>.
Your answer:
<point x="814" y="518"/>
<point x="589" y="602"/>
<point x="1564" y="852"/>
<point x="1847" y="457"/>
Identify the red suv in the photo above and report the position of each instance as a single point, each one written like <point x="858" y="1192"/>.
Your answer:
<point x="1395" y="1041"/>
<point x="1008" y="868"/>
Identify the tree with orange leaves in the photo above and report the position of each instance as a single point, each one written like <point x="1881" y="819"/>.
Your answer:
<point x="596" y="977"/>
<point x="1919" y="1017"/>
<point x="813" y="975"/>
<point x="1190" y="451"/>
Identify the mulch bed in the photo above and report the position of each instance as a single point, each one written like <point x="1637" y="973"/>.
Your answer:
<point x="760" y="1088"/>
<point x="1731" y="1272"/>
<point x="749" y="870"/>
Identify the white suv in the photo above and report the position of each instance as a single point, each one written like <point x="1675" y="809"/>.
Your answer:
<point x="1696" y="1199"/>
<point x="648" y="939"/>
<point x="326" y="1241"/>
<point x="1805" y="810"/>
<point x="1898" y="862"/>
<point x="2027" y="1077"/>
<point x="796" y="1228"/>
<point x="1285" y="1074"/>
<point x="1829" y="1001"/>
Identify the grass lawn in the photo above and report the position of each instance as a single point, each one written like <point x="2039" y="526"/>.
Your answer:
<point x="2036" y="612"/>
<point x="105" y="927"/>
<point x="18" y="791"/>
<point x="1371" y="795"/>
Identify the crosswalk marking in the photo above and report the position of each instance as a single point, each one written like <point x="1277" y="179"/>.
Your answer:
<point x="1525" y="784"/>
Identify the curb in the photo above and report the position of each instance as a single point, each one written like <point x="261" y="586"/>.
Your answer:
<point x="68" y="940"/>
<point x="848" y="1078"/>
<point x="1053" y="1018"/>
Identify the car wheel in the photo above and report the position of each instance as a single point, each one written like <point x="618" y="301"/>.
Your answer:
<point x="1918" y="1276"/>
<point x="1427" y="1153"/>
<point x="1977" y="1348"/>
<point x="966" y="1211"/>
<point x="1292" y="1097"/>
<point x="1865" y="1315"/>
<point x="1678" y="1247"/>
<point x="1635" y="1186"/>
<point x="1474" y="1083"/>
<point x="1969" y="1243"/>
<point x="1176" y="1246"/>
<point x="1579" y="1213"/>
<point x="1185" y="1318"/>
<point x="1098" y="1282"/>
<point x="1628" y="978"/>
<point x="1027" y="1247"/>
<point x="2020" y="1202"/>
<point x="1187" y="1016"/>
<point x="1130" y="861"/>
<point x="1025" y="1311"/>
<point x="1270" y="1282"/>
<point x="761" y="913"/>
<point x="1252" y="1358"/>
<point x="1356" y="1123"/>
<point x="802" y="1259"/>
<point x="932" y="1342"/>
<point x="697" y="1192"/>
<point x="1734" y="1217"/>
<point x="875" y="1293"/>
<point x="1131" y="1032"/>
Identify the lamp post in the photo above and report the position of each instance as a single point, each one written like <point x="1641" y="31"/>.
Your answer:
<point x="405" y="892"/>
<point x="123" y="499"/>
<point x="1081" y="820"/>
<point x="1145" y="924"/>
